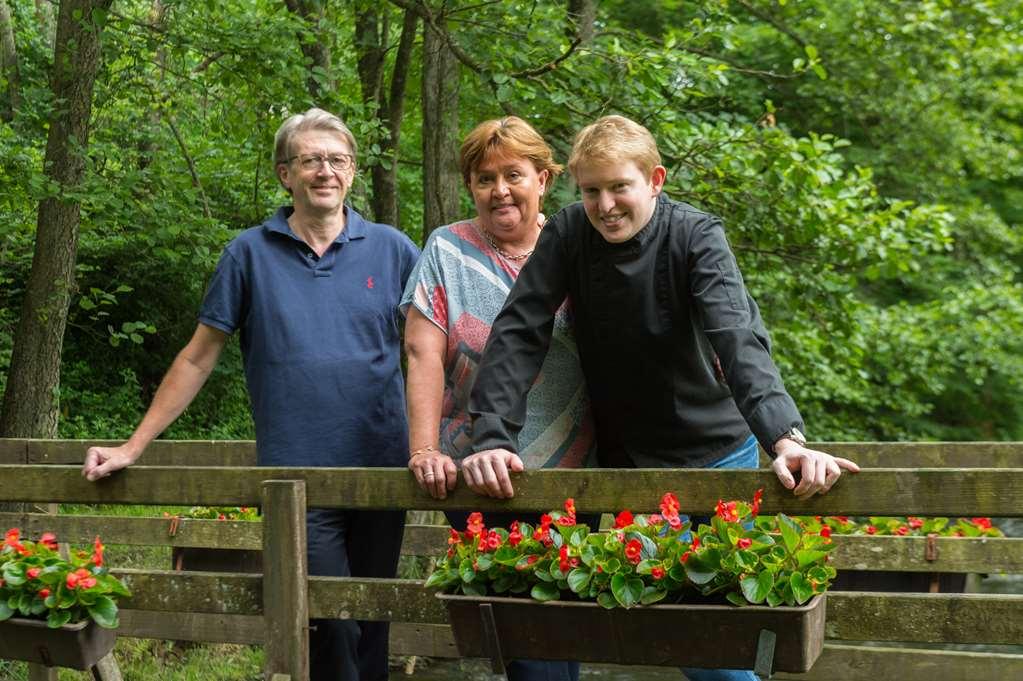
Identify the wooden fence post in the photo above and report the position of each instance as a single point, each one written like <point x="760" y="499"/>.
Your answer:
<point x="285" y="571"/>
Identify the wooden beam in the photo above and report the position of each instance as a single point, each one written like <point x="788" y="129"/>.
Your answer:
<point x="943" y="492"/>
<point x="285" y="569"/>
<point x="191" y="626"/>
<point x="908" y="554"/>
<point x="994" y="619"/>
<point x="861" y="663"/>
<point x="76" y="529"/>
<point x="243" y="453"/>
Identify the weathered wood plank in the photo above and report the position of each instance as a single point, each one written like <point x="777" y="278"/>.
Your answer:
<point x="76" y="529"/>
<point x="838" y="662"/>
<point x="243" y="453"/>
<point x="285" y="599"/>
<point x="907" y="554"/>
<point x="924" y="618"/>
<point x="221" y="593"/>
<point x="185" y="626"/>
<point x="159" y="453"/>
<point x="949" y="492"/>
<point x="860" y="663"/>
<point x="13" y="451"/>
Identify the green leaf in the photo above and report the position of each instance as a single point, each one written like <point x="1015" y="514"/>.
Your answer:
<point x="734" y="598"/>
<point x="805" y="557"/>
<point x="606" y="600"/>
<point x="801" y="587"/>
<point x="811" y="51"/>
<point x="474" y="589"/>
<point x="755" y="588"/>
<point x="578" y="579"/>
<point x="627" y="591"/>
<point x="58" y="618"/>
<point x="652" y="594"/>
<point x="466" y="571"/>
<point x="790" y="531"/>
<point x="773" y="599"/>
<point x="545" y="592"/>
<point x="5" y="611"/>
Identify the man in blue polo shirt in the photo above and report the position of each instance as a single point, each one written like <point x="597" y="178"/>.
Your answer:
<point x="314" y="292"/>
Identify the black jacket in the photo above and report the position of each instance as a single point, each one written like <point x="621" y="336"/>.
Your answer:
<point x="652" y="317"/>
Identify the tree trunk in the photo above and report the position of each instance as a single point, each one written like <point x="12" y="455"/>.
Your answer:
<point x="9" y="64"/>
<point x="317" y="50"/>
<point x="371" y="43"/>
<point x="441" y="179"/>
<point x="30" y="405"/>
<point x="583" y="14"/>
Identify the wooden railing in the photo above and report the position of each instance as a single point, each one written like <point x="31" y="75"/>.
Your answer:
<point x="242" y="608"/>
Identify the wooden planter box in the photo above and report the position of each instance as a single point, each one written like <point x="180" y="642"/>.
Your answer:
<point x="899" y="582"/>
<point x="78" y="646"/>
<point x="710" y="636"/>
<point x="217" y="560"/>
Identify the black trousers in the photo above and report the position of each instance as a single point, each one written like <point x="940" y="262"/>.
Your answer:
<point x="347" y="543"/>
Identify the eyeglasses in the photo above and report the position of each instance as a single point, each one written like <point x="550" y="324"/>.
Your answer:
<point x="338" y="162"/>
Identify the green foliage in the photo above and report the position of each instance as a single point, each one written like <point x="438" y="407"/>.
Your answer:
<point x="642" y="560"/>
<point x="864" y="156"/>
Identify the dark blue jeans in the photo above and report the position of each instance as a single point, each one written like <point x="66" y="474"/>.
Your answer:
<point x="347" y="543"/>
<point x="529" y="670"/>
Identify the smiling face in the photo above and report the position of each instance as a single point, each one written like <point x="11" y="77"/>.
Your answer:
<point x="322" y="190"/>
<point x="506" y="190"/>
<point x="619" y="198"/>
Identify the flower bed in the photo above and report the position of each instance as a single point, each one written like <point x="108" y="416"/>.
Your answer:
<point x="644" y="559"/>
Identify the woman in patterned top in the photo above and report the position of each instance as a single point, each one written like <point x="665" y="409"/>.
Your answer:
<point x="451" y="300"/>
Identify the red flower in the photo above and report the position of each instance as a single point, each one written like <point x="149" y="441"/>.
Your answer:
<point x="623" y="519"/>
<point x="902" y="530"/>
<point x="982" y="523"/>
<point x="916" y="523"/>
<point x="515" y="536"/>
<point x="493" y="541"/>
<point x="532" y="559"/>
<point x="455" y="537"/>
<point x="669" y="505"/>
<point x="684" y="557"/>
<point x="221" y="516"/>
<point x="657" y="573"/>
<point x="825" y="531"/>
<point x="570" y="506"/>
<point x="43" y="593"/>
<point x="569" y="517"/>
<point x="632" y="551"/>
<point x="49" y="540"/>
<point x="80" y="579"/>
<point x="744" y="543"/>
<point x="959" y="533"/>
<point x="843" y="519"/>
<point x="563" y="563"/>
<point x="695" y="542"/>
<point x="12" y="536"/>
<point x="97" y="553"/>
<point x="871" y="529"/>
<point x="474" y="525"/>
<point x="655" y="519"/>
<point x="758" y="496"/>
<point x="727" y="512"/>
<point x="33" y="572"/>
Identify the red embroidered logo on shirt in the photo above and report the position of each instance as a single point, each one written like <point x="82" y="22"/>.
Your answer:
<point x="369" y="282"/>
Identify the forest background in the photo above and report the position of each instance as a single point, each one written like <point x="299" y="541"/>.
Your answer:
<point x="864" y="154"/>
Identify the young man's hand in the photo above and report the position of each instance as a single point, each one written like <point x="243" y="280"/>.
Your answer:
<point x="818" y="470"/>
<point x="486" y="472"/>
<point x="102" y="461"/>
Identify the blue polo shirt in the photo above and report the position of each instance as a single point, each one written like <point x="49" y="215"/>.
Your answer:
<point x="319" y="339"/>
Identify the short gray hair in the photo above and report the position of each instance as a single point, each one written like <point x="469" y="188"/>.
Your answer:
<point x="313" y="119"/>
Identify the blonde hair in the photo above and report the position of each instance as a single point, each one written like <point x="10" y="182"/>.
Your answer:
<point x="313" y="119"/>
<point x="617" y="140"/>
<point x="510" y="135"/>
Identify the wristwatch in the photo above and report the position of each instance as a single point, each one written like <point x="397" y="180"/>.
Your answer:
<point x="793" y="434"/>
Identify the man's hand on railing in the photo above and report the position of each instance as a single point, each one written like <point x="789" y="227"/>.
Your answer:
<point x="486" y="472"/>
<point x="818" y="471"/>
<point x="102" y="461"/>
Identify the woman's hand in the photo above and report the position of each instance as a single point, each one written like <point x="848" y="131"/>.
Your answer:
<point x="435" y="472"/>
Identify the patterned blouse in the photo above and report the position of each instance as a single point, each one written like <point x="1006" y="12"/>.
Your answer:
<point x="460" y="284"/>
